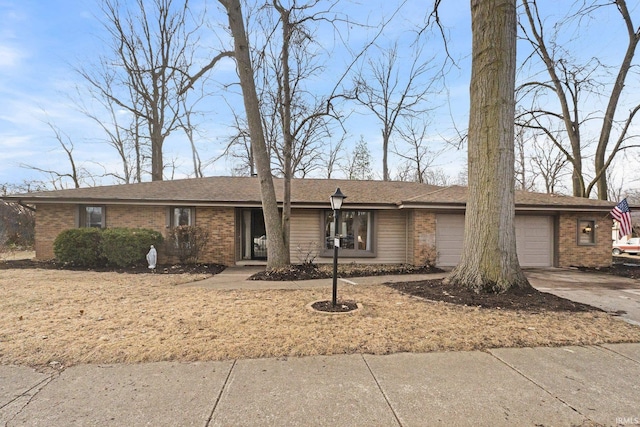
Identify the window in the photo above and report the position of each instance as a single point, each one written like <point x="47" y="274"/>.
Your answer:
<point x="356" y="232"/>
<point x="180" y="219"/>
<point x="586" y="232"/>
<point x="92" y="216"/>
<point x="181" y="216"/>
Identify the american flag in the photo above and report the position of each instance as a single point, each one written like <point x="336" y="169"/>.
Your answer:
<point x="622" y="214"/>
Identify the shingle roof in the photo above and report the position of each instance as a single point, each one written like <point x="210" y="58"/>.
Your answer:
<point x="246" y="191"/>
<point x="458" y="195"/>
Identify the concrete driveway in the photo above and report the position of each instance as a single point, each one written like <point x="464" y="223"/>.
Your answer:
<point x="616" y="295"/>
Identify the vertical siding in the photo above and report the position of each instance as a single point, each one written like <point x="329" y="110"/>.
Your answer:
<point x="391" y="239"/>
<point x="306" y="235"/>
<point x="390" y="228"/>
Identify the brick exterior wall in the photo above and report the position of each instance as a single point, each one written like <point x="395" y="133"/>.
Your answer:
<point x="152" y="217"/>
<point x="570" y="254"/>
<point x="50" y="221"/>
<point x="219" y="222"/>
<point x="423" y="224"/>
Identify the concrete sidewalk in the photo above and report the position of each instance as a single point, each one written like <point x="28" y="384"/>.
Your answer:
<point x="570" y="386"/>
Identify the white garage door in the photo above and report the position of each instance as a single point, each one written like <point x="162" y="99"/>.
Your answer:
<point x="534" y="237"/>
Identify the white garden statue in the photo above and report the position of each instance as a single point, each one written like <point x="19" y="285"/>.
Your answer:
<point x="152" y="257"/>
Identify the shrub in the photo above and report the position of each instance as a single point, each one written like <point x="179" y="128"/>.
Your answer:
<point x="428" y="255"/>
<point x="94" y="247"/>
<point x="125" y="247"/>
<point x="308" y="253"/>
<point x="79" y="247"/>
<point x="17" y="225"/>
<point x="187" y="242"/>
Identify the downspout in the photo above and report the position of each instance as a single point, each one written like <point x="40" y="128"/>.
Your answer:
<point x="406" y="237"/>
<point x="408" y="215"/>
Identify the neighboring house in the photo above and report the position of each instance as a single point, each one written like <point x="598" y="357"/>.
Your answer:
<point x="382" y="222"/>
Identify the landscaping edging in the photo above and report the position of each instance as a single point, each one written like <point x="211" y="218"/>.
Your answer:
<point x="311" y="308"/>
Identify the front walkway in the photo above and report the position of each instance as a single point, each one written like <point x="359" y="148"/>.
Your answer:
<point x="238" y="278"/>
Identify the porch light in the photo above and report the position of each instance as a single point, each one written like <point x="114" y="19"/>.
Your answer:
<point x="336" y="204"/>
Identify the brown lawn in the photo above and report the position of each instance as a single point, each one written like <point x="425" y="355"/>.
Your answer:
<point x="71" y="317"/>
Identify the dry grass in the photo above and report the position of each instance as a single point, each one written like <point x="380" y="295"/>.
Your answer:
<point x="83" y="317"/>
<point x="13" y="254"/>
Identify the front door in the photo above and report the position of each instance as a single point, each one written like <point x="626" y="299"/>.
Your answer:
<point x="254" y="235"/>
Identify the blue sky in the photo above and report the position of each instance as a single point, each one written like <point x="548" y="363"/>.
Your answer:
<point x="40" y="45"/>
<point x="41" y="42"/>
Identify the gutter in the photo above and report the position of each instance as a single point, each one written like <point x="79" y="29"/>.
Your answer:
<point x="31" y="208"/>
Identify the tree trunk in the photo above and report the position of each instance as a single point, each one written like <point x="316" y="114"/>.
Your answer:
<point x="285" y="113"/>
<point x="489" y="262"/>
<point x="277" y="253"/>
<point x="157" y="163"/>
<point x="385" y="155"/>
<point x="607" y="125"/>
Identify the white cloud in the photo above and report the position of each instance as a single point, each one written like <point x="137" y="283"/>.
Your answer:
<point x="10" y="57"/>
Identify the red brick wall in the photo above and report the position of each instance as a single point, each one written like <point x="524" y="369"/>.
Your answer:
<point x="424" y="236"/>
<point x="219" y="222"/>
<point x="570" y="254"/>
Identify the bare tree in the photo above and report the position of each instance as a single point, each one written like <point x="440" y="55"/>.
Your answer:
<point x="276" y="248"/>
<point x="549" y="162"/>
<point x="239" y="149"/>
<point x="17" y="220"/>
<point x="78" y="173"/>
<point x="525" y="178"/>
<point x="190" y="129"/>
<point x="392" y="92"/>
<point x="416" y="153"/>
<point x="122" y="131"/>
<point x="571" y="83"/>
<point x="333" y="156"/>
<point x="150" y="67"/>
<point x="489" y="262"/>
<point x="298" y="119"/>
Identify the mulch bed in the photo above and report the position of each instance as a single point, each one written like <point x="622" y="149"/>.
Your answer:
<point x="160" y="269"/>
<point x="622" y="266"/>
<point x="340" y="307"/>
<point x="313" y="271"/>
<point x="530" y="300"/>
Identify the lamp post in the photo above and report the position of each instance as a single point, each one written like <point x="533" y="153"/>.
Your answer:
<point x="336" y="203"/>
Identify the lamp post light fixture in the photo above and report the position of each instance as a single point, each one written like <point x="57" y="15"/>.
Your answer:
<point x="336" y="203"/>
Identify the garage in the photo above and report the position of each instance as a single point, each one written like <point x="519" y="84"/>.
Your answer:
<point x="534" y="239"/>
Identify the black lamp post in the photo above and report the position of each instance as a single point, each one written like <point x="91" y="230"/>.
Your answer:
<point x="336" y="203"/>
